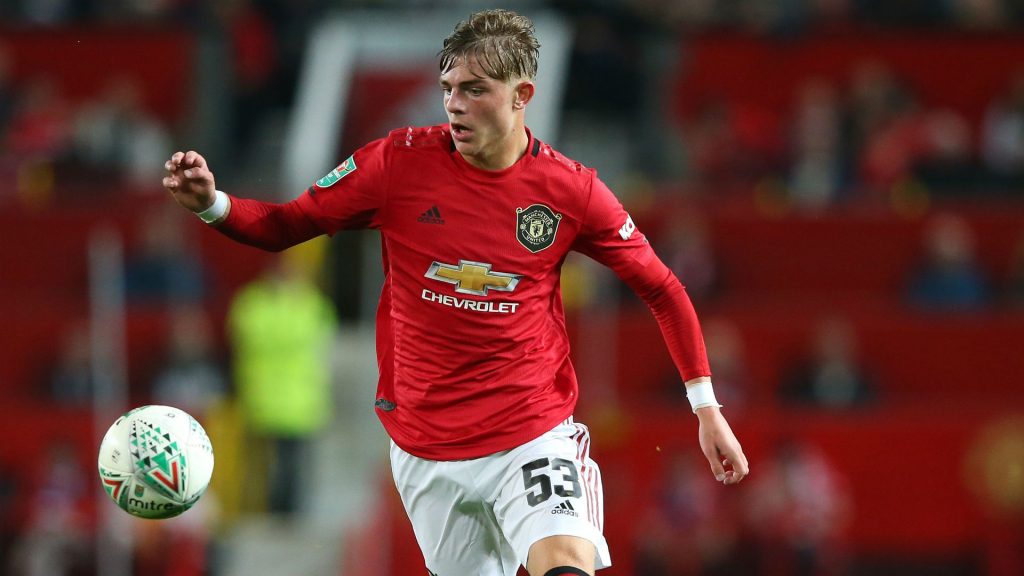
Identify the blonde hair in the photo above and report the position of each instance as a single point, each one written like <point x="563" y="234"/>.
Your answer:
<point x="502" y="42"/>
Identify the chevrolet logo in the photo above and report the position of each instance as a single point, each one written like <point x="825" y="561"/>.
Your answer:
<point x="473" y="277"/>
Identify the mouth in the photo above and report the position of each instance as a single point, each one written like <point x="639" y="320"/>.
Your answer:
<point x="460" y="132"/>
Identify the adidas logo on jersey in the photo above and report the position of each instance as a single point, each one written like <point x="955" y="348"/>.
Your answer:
<point x="566" y="509"/>
<point x="432" y="216"/>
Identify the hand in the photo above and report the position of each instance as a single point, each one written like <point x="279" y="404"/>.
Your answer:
<point x="720" y="446"/>
<point x="190" y="181"/>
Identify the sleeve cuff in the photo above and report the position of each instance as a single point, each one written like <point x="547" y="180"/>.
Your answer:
<point x="218" y="210"/>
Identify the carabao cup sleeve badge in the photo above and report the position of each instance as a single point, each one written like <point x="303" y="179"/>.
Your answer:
<point x="344" y="169"/>
<point x="536" y="226"/>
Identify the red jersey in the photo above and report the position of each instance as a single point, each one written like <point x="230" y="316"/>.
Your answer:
<point x="471" y="340"/>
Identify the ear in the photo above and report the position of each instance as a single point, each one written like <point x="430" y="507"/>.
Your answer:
<point x="523" y="93"/>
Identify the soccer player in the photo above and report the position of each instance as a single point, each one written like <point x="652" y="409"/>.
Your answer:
<point x="476" y="388"/>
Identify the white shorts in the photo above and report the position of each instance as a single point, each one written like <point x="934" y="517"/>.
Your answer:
<point x="481" y="516"/>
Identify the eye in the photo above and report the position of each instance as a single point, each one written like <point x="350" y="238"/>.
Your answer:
<point x="447" y="90"/>
<point x="476" y="91"/>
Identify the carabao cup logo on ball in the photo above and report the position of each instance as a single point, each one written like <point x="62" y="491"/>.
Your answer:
<point x="155" y="462"/>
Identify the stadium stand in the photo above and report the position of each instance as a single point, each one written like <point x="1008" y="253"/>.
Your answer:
<point x="946" y="379"/>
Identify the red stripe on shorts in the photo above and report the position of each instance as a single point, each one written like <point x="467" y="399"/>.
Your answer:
<point x="578" y="437"/>
<point x="587" y="474"/>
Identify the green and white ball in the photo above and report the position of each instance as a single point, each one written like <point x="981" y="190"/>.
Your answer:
<point x="155" y="462"/>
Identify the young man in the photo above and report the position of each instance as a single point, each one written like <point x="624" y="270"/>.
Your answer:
<point x="476" y="389"/>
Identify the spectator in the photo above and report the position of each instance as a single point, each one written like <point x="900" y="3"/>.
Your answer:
<point x="685" y="530"/>
<point x="689" y="255"/>
<point x="945" y="161"/>
<point x="165" y="269"/>
<point x="7" y="92"/>
<point x="896" y="138"/>
<point x="191" y="376"/>
<point x="816" y="172"/>
<point x="890" y="150"/>
<point x="980" y="14"/>
<point x="606" y="45"/>
<point x="727" y="357"/>
<point x="57" y="537"/>
<point x="799" y="510"/>
<point x="40" y="128"/>
<point x="9" y="164"/>
<point x="948" y="276"/>
<point x="9" y="492"/>
<point x="906" y="14"/>
<point x="832" y="377"/>
<point x="1015" y="281"/>
<point x="712" y="145"/>
<point x="116" y="134"/>
<point x="37" y="139"/>
<point x="48" y="12"/>
<point x="254" y="55"/>
<point x="71" y="379"/>
<point x="281" y="328"/>
<point x="877" y="125"/>
<point x="1002" y="139"/>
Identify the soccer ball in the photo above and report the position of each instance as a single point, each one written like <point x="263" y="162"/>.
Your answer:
<point x="155" y="462"/>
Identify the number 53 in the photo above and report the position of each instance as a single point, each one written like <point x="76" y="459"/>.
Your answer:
<point x="569" y="488"/>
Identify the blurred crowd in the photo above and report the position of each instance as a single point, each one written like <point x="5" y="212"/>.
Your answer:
<point x="866" y="137"/>
<point x="791" y="519"/>
<point x="114" y="132"/>
<point x="946" y="277"/>
<point x="868" y="134"/>
<point x="760" y="15"/>
<point x="44" y="137"/>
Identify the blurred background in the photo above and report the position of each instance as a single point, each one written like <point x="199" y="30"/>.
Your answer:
<point x="839" y="183"/>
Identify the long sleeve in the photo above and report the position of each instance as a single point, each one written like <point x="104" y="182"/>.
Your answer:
<point x="609" y="236"/>
<point x="665" y="296"/>
<point x="269" y="226"/>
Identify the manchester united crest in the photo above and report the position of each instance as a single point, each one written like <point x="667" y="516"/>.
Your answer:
<point x="536" y="226"/>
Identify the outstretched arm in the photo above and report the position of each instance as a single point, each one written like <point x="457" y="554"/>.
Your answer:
<point x="667" y="299"/>
<point x="261" y="224"/>
<point x="609" y="236"/>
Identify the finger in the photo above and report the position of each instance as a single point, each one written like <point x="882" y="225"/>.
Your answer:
<point x="199" y="162"/>
<point x="170" y="182"/>
<point x="716" y="466"/>
<point x="176" y="159"/>
<point x="197" y="174"/>
<point x="194" y="159"/>
<point x="739" y="471"/>
<point x="740" y="464"/>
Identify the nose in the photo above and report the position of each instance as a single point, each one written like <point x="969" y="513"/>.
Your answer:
<point x="453" y="103"/>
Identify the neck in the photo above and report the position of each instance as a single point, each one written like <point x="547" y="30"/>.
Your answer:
<point x="506" y="153"/>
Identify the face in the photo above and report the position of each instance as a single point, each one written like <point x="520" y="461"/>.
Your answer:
<point x="486" y="115"/>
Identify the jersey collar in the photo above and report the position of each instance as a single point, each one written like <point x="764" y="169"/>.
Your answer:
<point x="532" y="151"/>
